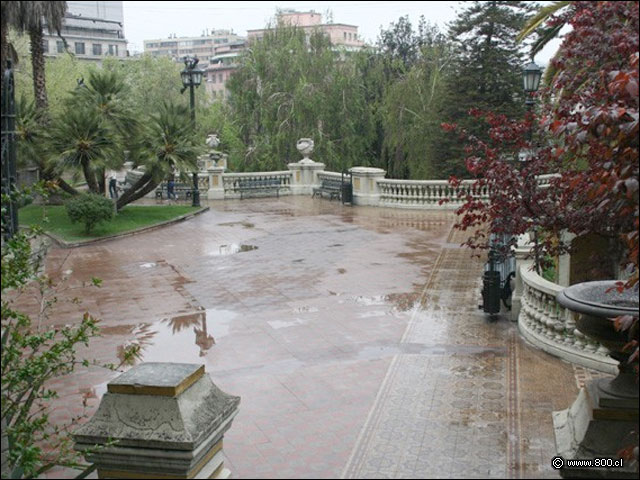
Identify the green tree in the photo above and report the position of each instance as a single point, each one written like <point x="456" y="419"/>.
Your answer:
<point x="31" y="17"/>
<point x="168" y="144"/>
<point x="487" y="69"/>
<point x="289" y="86"/>
<point x="414" y="72"/>
<point x="82" y="140"/>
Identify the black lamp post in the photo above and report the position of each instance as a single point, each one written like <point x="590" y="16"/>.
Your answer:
<point x="531" y="75"/>
<point x="191" y="79"/>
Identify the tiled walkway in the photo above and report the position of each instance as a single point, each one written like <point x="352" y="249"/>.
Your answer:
<point x="351" y="334"/>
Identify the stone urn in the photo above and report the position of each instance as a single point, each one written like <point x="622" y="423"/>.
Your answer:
<point x="600" y="422"/>
<point x="598" y="303"/>
<point x="305" y="147"/>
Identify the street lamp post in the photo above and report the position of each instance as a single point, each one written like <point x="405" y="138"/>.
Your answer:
<point x="191" y="79"/>
<point x="531" y="75"/>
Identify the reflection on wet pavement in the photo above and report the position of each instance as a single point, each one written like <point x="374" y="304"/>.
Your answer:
<point x="351" y="334"/>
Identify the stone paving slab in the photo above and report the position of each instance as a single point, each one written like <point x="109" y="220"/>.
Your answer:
<point x="351" y="334"/>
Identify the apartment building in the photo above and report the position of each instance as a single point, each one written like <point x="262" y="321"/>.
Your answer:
<point x="204" y="47"/>
<point x="92" y="30"/>
<point x="341" y="35"/>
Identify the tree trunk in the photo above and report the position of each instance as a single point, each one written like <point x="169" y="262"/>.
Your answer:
<point x="89" y="176"/>
<point x="37" y="63"/>
<point x="138" y="190"/>
<point x="66" y="187"/>
<point x="101" y="182"/>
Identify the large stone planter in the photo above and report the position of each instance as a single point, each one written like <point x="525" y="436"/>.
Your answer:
<point x="600" y="422"/>
<point x="168" y="421"/>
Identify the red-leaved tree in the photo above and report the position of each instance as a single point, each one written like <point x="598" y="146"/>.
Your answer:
<point x="586" y="133"/>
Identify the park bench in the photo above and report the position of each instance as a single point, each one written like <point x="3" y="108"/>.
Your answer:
<point x="256" y="185"/>
<point x="331" y="186"/>
<point x="179" y="189"/>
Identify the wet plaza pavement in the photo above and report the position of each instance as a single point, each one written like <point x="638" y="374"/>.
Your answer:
<point x="351" y="334"/>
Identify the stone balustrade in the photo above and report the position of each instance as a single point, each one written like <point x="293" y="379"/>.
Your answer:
<point x="431" y="194"/>
<point x="232" y="181"/>
<point x="552" y="328"/>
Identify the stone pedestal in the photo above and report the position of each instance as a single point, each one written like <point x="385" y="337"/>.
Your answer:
<point x="304" y="176"/>
<point x="168" y="421"/>
<point x="216" y="186"/>
<point x="597" y="425"/>
<point x="365" y="185"/>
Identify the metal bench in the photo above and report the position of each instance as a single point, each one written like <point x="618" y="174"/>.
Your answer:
<point x="255" y="185"/>
<point x="331" y="186"/>
<point x="179" y="189"/>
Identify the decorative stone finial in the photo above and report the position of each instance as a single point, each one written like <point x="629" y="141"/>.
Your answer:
<point x="305" y="147"/>
<point x="213" y="141"/>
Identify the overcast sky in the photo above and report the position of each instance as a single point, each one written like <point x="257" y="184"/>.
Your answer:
<point x="152" y="20"/>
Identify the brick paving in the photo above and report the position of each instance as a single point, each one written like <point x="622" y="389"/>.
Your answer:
<point x="351" y="334"/>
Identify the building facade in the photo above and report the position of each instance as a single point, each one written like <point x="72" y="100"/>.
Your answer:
<point x="92" y="30"/>
<point x="341" y="35"/>
<point x="204" y="47"/>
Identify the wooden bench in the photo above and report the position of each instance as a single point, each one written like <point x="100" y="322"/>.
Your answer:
<point x="331" y="186"/>
<point x="179" y="189"/>
<point x="255" y="185"/>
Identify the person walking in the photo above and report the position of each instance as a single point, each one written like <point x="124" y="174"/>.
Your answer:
<point x="113" y="187"/>
<point x="170" y="187"/>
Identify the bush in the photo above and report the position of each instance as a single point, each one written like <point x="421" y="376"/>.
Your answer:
<point x="89" y="209"/>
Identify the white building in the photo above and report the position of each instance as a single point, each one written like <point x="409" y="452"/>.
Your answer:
<point x="93" y="30"/>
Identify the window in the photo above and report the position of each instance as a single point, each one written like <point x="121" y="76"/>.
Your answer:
<point x="60" y="46"/>
<point x="220" y="78"/>
<point x="97" y="49"/>
<point x="113" y="50"/>
<point x="212" y="78"/>
<point x="79" y="48"/>
<point x="345" y="35"/>
<point x="45" y="46"/>
<point x="349" y="36"/>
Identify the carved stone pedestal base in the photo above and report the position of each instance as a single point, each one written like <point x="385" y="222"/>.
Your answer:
<point x="596" y="426"/>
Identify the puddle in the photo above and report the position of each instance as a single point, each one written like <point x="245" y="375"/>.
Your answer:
<point x="183" y="338"/>
<point x="232" y="248"/>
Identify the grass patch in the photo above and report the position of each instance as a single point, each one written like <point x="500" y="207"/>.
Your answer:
<point x="54" y="219"/>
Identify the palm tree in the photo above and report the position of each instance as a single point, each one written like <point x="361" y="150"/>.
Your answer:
<point x="31" y="17"/>
<point x="536" y="25"/>
<point x="82" y="140"/>
<point x="168" y="144"/>
<point x="105" y="94"/>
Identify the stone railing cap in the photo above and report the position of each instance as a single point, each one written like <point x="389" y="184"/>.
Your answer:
<point x="160" y="379"/>
<point x="367" y="170"/>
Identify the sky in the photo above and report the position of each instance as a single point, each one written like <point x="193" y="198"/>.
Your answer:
<point x="152" y="20"/>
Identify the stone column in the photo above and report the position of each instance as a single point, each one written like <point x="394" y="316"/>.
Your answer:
<point x="365" y="185"/>
<point x="168" y="421"/>
<point x="304" y="176"/>
<point x="216" y="186"/>
<point x="521" y="252"/>
<point x="564" y="262"/>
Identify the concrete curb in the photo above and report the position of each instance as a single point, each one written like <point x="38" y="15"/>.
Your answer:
<point x="64" y="244"/>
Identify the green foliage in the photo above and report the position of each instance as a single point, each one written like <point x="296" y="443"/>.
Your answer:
<point x="288" y="87"/>
<point x="487" y="70"/>
<point x="31" y="355"/>
<point x="89" y="209"/>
